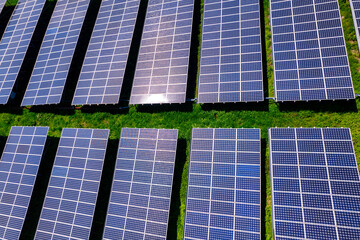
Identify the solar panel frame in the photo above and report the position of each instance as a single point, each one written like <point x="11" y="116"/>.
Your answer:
<point x="80" y="96"/>
<point x="355" y="8"/>
<point x="142" y="134"/>
<point x="245" y="135"/>
<point x="323" y="135"/>
<point x="25" y="161"/>
<point x="48" y="78"/>
<point x="345" y="92"/>
<point x="229" y="94"/>
<point x="14" y="55"/>
<point x="158" y="98"/>
<point x="62" y="213"/>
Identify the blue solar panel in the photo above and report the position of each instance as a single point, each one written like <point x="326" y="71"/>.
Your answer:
<point x="103" y="71"/>
<point x="162" y="67"/>
<point x="310" y="58"/>
<point x="53" y="63"/>
<point x="355" y="8"/>
<point x="224" y="186"/>
<point x="2" y="4"/>
<point x="315" y="183"/>
<point x="231" y="60"/>
<point x="140" y="197"/>
<point x="15" y="42"/>
<point x="19" y="165"/>
<point x="71" y="196"/>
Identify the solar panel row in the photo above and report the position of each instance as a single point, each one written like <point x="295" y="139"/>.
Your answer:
<point x="231" y="59"/>
<point x="315" y="184"/>
<point x="355" y="8"/>
<point x="53" y="62"/>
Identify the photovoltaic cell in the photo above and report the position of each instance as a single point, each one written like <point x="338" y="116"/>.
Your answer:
<point x="15" y="42"/>
<point x="162" y="67"/>
<point x="231" y="60"/>
<point x="19" y="165"/>
<point x="53" y="63"/>
<point x="224" y="185"/>
<point x="104" y="66"/>
<point x="355" y="8"/>
<point x="71" y="196"/>
<point x="315" y="184"/>
<point x="140" y="197"/>
<point x="310" y="58"/>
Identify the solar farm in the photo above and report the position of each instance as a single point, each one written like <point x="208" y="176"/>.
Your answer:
<point x="186" y="119"/>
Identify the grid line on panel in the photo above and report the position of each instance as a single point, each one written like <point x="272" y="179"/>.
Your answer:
<point x="15" y="42"/>
<point x="223" y="199"/>
<point x="18" y="176"/>
<point x="74" y="183"/>
<point x="309" y="46"/>
<point x="48" y="78"/>
<point x="142" y="184"/>
<point x="162" y="66"/>
<point x="321" y="196"/>
<point x="102" y="75"/>
<point x="231" y="60"/>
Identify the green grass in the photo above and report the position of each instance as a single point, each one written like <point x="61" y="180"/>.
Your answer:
<point x="263" y="115"/>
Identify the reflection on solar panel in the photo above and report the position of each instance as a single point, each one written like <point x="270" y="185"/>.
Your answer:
<point x="52" y="66"/>
<point x="140" y="198"/>
<point x="15" y="42"/>
<point x="19" y="165"/>
<point x="72" y="192"/>
<point x="315" y="184"/>
<point x="310" y="58"/>
<point x="162" y="67"/>
<point x="230" y="64"/>
<point x="223" y="198"/>
<point x="355" y="8"/>
<point x="103" y="71"/>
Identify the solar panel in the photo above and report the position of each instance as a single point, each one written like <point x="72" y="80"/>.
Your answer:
<point x="53" y="63"/>
<point x="162" y="66"/>
<point x="224" y="186"/>
<point x="355" y="8"/>
<point x="15" y="42"/>
<point x="140" y="197"/>
<point x="74" y="183"/>
<point x="2" y="4"/>
<point x="315" y="183"/>
<point x="103" y="71"/>
<point x="310" y="58"/>
<point x="19" y="165"/>
<point x="231" y="59"/>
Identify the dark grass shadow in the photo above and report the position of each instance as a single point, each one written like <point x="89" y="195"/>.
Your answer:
<point x="158" y="108"/>
<point x="58" y="110"/>
<point x="2" y="144"/>
<point x="80" y="52"/>
<point x="263" y="187"/>
<point x="175" y="195"/>
<point x="40" y="188"/>
<point x="134" y="52"/>
<point x="263" y="51"/>
<point x="102" y="202"/>
<point x="112" y="109"/>
<point x="227" y="107"/>
<point x="339" y="106"/>
<point x="28" y="64"/>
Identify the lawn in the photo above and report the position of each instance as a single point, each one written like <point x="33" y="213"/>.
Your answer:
<point x="255" y="115"/>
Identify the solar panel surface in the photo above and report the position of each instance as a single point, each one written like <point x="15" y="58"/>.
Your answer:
<point x="104" y="66"/>
<point x="53" y="63"/>
<point x="310" y="58"/>
<point x="355" y="8"/>
<point x="315" y="184"/>
<point x="19" y="165"/>
<point x="71" y="196"/>
<point x="231" y="60"/>
<point x="15" y="42"/>
<point x="224" y="186"/>
<point x="2" y="4"/>
<point x="140" y="197"/>
<point x="162" y="67"/>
